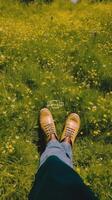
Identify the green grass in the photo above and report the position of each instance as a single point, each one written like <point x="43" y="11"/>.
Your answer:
<point x="60" y="52"/>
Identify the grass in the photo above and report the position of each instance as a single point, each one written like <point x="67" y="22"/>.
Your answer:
<point x="56" y="55"/>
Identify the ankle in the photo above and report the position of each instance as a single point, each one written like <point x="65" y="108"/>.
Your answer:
<point x="68" y="140"/>
<point x="53" y="137"/>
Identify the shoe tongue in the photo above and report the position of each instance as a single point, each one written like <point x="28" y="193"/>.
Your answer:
<point x="72" y="125"/>
<point x="49" y="121"/>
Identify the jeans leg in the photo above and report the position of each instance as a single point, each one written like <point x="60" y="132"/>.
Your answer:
<point x="53" y="148"/>
<point x="57" y="149"/>
<point x="68" y="150"/>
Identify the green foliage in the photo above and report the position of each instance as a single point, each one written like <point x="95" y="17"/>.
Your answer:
<point x="59" y="56"/>
<point x="94" y="164"/>
<point x="99" y="1"/>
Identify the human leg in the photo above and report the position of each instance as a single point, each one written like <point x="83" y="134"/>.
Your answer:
<point x="54" y="147"/>
<point x="61" y="150"/>
<point x="69" y="134"/>
<point x="68" y="149"/>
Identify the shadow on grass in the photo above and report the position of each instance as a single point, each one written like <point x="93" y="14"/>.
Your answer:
<point x="39" y="139"/>
<point x="41" y="143"/>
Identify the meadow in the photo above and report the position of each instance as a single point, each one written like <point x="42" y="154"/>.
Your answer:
<point x="57" y="55"/>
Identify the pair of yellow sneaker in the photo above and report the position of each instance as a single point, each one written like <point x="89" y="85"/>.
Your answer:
<point x="71" y="128"/>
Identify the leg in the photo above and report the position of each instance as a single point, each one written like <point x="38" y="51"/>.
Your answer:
<point x="68" y="150"/>
<point x="61" y="150"/>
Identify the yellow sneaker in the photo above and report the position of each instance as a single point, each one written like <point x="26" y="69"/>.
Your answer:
<point x="47" y="123"/>
<point x="71" y="128"/>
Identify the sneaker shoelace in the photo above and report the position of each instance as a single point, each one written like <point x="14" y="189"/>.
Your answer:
<point x="49" y="129"/>
<point x="69" y="132"/>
